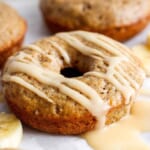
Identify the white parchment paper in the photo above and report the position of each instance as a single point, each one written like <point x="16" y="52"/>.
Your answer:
<point x="32" y="139"/>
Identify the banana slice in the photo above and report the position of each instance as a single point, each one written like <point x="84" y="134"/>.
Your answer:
<point x="143" y="53"/>
<point x="10" y="131"/>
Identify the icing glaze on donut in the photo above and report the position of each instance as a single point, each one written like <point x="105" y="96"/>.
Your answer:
<point x="125" y="83"/>
<point x="62" y="51"/>
<point x="74" y="88"/>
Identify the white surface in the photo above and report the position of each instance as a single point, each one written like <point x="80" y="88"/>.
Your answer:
<point x="32" y="139"/>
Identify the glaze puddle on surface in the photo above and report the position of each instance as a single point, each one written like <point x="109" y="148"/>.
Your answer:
<point x="125" y="134"/>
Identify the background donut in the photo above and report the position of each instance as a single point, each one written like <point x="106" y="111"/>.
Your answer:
<point x="12" y="31"/>
<point x="118" y="19"/>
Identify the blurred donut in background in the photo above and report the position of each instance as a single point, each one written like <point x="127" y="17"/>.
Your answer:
<point x="12" y="31"/>
<point x="119" y="19"/>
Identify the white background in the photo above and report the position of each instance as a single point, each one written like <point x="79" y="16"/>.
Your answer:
<point x="34" y="140"/>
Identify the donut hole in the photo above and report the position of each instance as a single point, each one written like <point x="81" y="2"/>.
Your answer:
<point x="71" y="72"/>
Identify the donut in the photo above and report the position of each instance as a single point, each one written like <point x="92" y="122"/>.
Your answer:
<point x="115" y="18"/>
<point x="72" y="82"/>
<point x="12" y="31"/>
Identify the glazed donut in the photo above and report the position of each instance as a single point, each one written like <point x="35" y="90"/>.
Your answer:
<point x="103" y="82"/>
<point x="12" y="31"/>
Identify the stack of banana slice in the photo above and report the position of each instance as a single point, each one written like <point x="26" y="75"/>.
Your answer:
<point x="142" y="51"/>
<point x="10" y="131"/>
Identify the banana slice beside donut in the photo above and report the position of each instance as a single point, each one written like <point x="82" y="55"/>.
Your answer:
<point x="10" y="131"/>
<point x="143" y="53"/>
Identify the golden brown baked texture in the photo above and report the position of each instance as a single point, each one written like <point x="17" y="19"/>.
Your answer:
<point x="12" y="31"/>
<point x="119" y="19"/>
<point x="66" y="115"/>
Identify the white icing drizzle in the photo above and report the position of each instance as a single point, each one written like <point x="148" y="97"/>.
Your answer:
<point x="121" y="79"/>
<point x="91" y="100"/>
<point x="77" y="90"/>
<point x="62" y="51"/>
<point x="114" y="81"/>
<point x="111" y="46"/>
<point x="127" y="77"/>
<point x="29" y="86"/>
<point x="34" y="48"/>
<point x="37" y="49"/>
<point x="74" y="42"/>
<point x="91" y="38"/>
